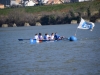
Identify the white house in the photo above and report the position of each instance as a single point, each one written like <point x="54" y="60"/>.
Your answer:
<point x="45" y="1"/>
<point x="2" y="6"/>
<point x="29" y="3"/>
<point x="83" y="0"/>
<point x="14" y="3"/>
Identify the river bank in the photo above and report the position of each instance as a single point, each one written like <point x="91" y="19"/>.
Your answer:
<point x="50" y="14"/>
<point x="39" y="24"/>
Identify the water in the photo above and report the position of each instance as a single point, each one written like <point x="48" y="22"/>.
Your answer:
<point x="49" y="58"/>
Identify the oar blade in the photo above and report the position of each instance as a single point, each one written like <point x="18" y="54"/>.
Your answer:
<point x="23" y="39"/>
<point x="20" y="39"/>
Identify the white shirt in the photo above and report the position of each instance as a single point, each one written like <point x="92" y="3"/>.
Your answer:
<point x="36" y="37"/>
<point x="52" y="37"/>
<point x="40" y="37"/>
<point x="47" y="37"/>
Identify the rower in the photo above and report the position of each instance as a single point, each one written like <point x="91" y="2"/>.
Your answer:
<point x="56" y="36"/>
<point x="36" y="37"/>
<point x="40" y="36"/>
<point x="46" y="37"/>
<point x="52" y="36"/>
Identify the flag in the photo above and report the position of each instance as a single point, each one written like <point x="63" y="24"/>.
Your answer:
<point x="86" y="25"/>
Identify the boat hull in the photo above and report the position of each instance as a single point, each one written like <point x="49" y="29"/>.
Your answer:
<point x="32" y="41"/>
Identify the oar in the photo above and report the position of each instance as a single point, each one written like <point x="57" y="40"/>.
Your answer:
<point x="44" y="40"/>
<point x="23" y="39"/>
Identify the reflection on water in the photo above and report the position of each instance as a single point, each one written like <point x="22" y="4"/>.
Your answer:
<point x="49" y="58"/>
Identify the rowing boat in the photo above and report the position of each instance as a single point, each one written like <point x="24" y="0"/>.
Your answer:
<point x="32" y="41"/>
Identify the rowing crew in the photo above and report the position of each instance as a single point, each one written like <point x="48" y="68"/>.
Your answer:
<point x="48" y="37"/>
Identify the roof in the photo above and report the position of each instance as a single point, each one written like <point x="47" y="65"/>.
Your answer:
<point x="55" y="1"/>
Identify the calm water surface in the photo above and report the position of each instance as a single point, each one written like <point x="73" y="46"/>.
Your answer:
<point x="49" y="58"/>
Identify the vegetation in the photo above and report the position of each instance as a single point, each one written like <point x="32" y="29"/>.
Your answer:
<point x="51" y="14"/>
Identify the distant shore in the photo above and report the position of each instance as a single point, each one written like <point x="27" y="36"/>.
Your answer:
<point x="50" y="14"/>
<point x="38" y="24"/>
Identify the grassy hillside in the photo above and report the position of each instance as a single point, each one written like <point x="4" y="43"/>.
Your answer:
<point x="50" y="14"/>
<point x="95" y="5"/>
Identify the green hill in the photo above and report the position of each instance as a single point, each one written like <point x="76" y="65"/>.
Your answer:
<point x="51" y="14"/>
<point x="94" y="6"/>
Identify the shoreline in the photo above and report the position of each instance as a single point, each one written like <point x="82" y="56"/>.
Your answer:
<point x="50" y="14"/>
<point x="74" y="22"/>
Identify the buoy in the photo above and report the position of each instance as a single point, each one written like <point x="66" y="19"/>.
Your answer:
<point x="32" y="41"/>
<point x="72" y="38"/>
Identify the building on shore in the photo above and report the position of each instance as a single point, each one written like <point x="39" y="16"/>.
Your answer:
<point x="2" y="6"/>
<point x="15" y="2"/>
<point x="36" y="2"/>
<point x="47" y="2"/>
<point x="84" y="0"/>
<point x="79" y="0"/>
<point x="29" y="3"/>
